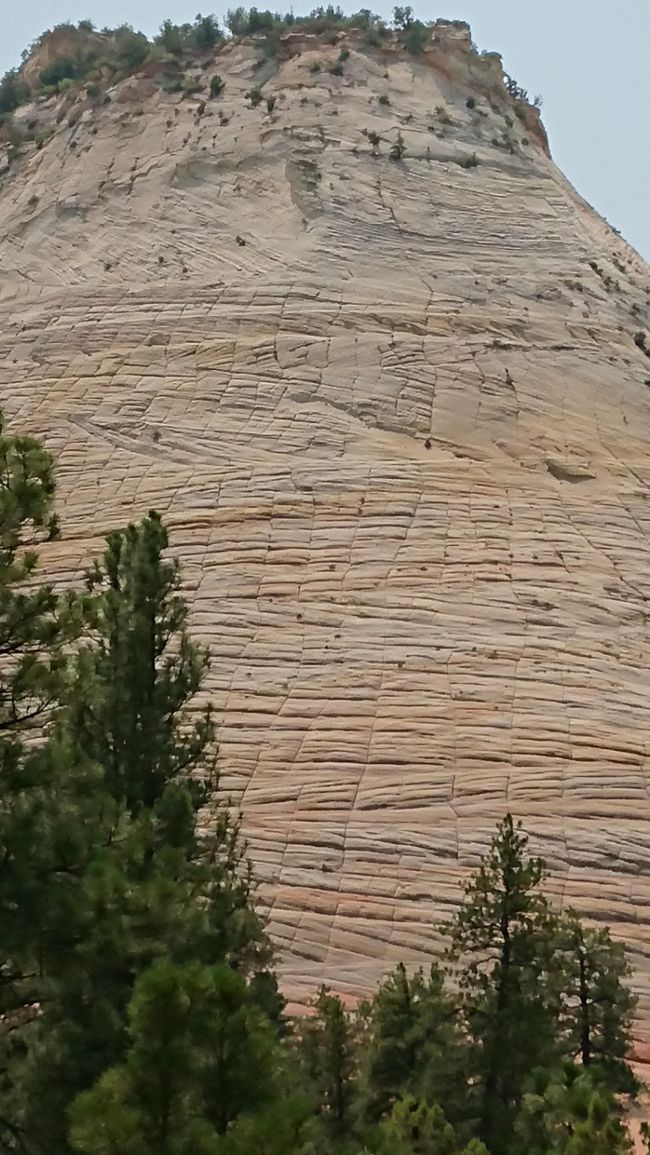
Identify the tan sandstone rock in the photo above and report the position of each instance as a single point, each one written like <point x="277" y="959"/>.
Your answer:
<point x="398" y="423"/>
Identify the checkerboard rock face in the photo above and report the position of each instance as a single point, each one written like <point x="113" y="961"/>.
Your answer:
<point x="397" y="418"/>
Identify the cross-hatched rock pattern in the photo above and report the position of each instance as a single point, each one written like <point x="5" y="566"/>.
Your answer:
<point x="397" y="417"/>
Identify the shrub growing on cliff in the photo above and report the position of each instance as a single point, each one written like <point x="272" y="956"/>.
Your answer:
<point x="192" y="85"/>
<point x="237" y="21"/>
<point x="397" y="149"/>
<point x="216" y="85"/>
<point x="403" y="17"/>
<point x="206" y="32"/>
<point x="515" y="90"/>
<point x="255" y="96"/>
<point x="200" y="36"/>
<point x="251" y="22"/>
<point x="243" y="22"/>
<point x="130" y="48"/>
<point x="63" y="68"/>
<point x="416" y="37"/>
<point x="172" y="37"/>
<point x="176" y="85"/>
<point x="13" y="91"/>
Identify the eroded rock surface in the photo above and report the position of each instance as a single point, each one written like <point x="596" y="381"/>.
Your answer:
<point x="398" y="422"/>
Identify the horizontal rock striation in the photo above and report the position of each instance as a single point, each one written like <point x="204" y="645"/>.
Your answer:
<point x="397" y="416"/>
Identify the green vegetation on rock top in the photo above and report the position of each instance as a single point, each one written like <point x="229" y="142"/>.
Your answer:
<point x="83" y="55"/>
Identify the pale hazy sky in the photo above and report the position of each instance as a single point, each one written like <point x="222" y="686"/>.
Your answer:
<point x="587" y="58"/>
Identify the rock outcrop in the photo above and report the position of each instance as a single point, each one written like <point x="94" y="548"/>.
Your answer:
<point x="397" y="416"/>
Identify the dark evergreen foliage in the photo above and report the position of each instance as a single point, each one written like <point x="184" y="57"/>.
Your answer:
<point x="503" y="937"/>
<point x="137" y="675"/>
<point x="327" y="1052"/>
<point x="200" y="1054"/>
<point x="597" y="1005"/>
<point x="13" y="91"/>
<point x="411" y="1046"/>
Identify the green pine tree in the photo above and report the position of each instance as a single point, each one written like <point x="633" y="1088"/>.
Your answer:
<point x="129" y="707"/>
<point x="132" y="713"/>
<point x="598" y="1005"/>
<point x="600" y="1133"/>
<point x="569" y="1111"/>
<point x="504" y="938"/>
<point x="417" y="1128"/>
<point x="411" y="1045"/>
<point x="327" y="1052"/>
<point x="285" y="1127"/>
<point x="45" y="812"/>
<point x="172" y="881"/>
<point x="200" y="1055"/>
<point x="32" y="626"/>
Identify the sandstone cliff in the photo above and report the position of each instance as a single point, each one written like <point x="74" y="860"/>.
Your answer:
<point x="397" y="416"/>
